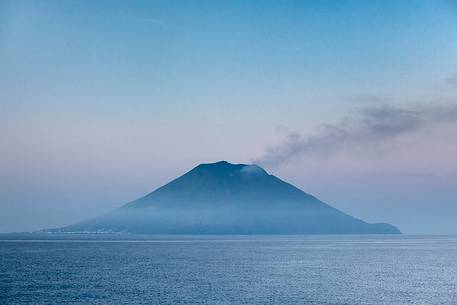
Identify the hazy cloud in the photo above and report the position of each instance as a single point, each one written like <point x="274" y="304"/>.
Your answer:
<point x="369" y="98"/>
<point x="452" y="80"/>
<point x="369" y="126"/>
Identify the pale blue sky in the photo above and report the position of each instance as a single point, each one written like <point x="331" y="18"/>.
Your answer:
<point x="103" y="101"/>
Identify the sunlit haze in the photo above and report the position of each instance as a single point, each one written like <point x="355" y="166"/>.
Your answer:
<point x="354" y="102"/>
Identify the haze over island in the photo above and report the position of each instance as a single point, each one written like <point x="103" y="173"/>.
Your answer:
<point x="225" y="198"/>
<point x="354" y="102"/>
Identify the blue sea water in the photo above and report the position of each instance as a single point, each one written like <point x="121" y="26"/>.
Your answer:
<point x="229" y="270"/>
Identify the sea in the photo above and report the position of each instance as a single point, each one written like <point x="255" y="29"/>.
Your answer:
<point x="298" y="269"/>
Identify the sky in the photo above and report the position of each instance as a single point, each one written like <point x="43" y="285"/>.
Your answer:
<point x="354" y="102"/>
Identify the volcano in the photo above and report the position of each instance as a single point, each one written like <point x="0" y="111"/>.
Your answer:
<point x="225" y="198"/>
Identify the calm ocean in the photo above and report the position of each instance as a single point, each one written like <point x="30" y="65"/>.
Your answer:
<point x="229" y="270"/>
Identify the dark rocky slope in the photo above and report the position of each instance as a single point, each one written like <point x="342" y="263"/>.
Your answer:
<point x="224" y="198"/>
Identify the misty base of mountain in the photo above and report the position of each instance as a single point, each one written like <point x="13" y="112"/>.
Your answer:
<point x="224" y="198"/>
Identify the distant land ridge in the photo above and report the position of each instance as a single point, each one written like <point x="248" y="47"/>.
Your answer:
<point x="225" y="198"/>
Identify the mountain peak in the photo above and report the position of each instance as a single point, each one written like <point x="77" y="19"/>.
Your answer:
<point x="220" y="165"/>
<point x="226" y="198"/>
<point x="223" y="167"/>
